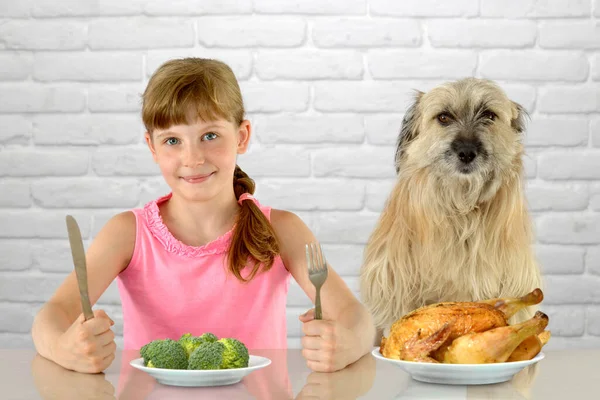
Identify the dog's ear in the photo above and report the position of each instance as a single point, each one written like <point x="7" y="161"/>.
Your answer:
<point x="409" y="129"/>
<point x="519" y="115"/>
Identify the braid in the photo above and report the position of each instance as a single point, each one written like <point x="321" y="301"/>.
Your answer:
<point x="242" y="183"/>
<point x="253" y="239"/>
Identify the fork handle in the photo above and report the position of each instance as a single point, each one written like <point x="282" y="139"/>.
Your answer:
<point x="318" y="313"/>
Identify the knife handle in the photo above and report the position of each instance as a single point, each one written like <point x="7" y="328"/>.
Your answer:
<point x="87" y="308"/>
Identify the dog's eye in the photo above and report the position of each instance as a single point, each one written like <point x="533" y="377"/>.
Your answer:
<point x="443" y="118"/>
<point x="489" y="115"/>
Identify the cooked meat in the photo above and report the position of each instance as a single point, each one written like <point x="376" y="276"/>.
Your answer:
<point x="443" y="332"/>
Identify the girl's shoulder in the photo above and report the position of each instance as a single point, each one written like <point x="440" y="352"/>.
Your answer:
<point x="123" y="223"/>
<point x="293" y="235"/>
<point x="290" y="229"/>
<point x="117" y="237"/>
<point x="283" y="220"/>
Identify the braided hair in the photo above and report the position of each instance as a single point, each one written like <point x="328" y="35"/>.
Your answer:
<point x="253" y="238"/>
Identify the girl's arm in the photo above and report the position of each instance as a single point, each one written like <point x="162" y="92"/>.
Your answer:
<point x="59" y="331"/>
<point x="347" y="325"/>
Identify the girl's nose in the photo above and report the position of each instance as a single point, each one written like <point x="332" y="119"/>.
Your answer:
<point x="193" y="155"/>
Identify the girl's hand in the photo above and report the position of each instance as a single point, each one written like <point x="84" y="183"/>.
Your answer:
<point x="87" y="346"/>
<point x="327" y="345"/>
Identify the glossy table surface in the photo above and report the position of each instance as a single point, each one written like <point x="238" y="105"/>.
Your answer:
<point x="565" y="374"/>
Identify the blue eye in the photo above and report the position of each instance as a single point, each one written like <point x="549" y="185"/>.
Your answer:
<point x="210" y="136"/>
<point x="172" y="141"/>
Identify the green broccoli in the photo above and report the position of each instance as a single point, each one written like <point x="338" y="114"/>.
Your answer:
<point x="235" y="354"/>
<point x="209" y="337"/>
<point x="164" y="353"/>
<point x="144" y="351"/>
<point x="190" y="343"/>
<point x="209" y="355"/>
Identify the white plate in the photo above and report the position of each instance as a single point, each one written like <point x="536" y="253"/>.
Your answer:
<point x="460" y="374"/>
<point x="212" y="377"/>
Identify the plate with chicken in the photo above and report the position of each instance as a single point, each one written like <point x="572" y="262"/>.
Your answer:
<point x="466" y="343"/>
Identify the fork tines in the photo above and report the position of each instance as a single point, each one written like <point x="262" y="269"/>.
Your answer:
<point x="315" y="257"/>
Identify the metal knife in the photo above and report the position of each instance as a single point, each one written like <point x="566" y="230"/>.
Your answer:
<point x="78" y="254"/>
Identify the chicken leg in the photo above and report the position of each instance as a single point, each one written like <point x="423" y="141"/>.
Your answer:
<point x="510" y="306"/>
<point x="495" y="345"/>
<point x="530" y="347"/>
<point x="544" y="337"/>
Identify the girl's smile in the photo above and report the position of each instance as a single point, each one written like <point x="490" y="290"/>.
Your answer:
<point x="197" y="178"/>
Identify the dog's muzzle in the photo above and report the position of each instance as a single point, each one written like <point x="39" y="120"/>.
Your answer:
<point x="466" y="150"/>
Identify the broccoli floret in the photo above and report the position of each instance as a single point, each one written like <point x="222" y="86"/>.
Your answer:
<point x="235" y="354"/>
<point x="148" y="350"/>
<point x="145" y="353"/>
<point x="164" y="353"/>
<point x="209" y="337"/>
<point x="190" y="343"/>
<point x="209" y="355"/>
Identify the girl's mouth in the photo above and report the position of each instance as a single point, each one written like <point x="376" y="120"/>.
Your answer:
<point x="196" y="178"/>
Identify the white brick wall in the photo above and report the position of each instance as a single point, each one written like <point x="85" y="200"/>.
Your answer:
<point x="326" y="85"/>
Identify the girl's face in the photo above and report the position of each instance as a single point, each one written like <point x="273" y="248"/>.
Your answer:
<point x="198" y="161"/>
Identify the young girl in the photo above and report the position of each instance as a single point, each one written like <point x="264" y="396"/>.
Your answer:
<point x="207" y="257"/>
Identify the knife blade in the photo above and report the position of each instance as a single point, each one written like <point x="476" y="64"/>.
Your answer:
<point x="78" y="254"/>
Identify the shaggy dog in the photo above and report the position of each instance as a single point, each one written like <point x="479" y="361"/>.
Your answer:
<point x="455" y="226"/>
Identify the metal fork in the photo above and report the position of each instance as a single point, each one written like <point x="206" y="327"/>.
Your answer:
<point x="317" y="272"/>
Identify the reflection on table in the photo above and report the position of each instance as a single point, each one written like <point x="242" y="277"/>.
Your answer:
<point x="273" y="382"/>
<point x="567" y="374"/>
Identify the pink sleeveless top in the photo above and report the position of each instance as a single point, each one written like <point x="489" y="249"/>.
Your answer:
<point x="170" y="288"/>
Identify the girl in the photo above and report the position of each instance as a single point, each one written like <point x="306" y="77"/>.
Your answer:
<point x="208" y="257"/>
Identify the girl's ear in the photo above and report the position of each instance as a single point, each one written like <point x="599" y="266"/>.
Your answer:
<point x="148" y="138"/>
<point x="244" y="133"/>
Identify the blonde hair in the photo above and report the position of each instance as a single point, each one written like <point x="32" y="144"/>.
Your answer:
<point x="180" y="92"/>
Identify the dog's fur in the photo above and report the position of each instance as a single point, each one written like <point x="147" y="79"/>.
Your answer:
<point x="452" y="231"/>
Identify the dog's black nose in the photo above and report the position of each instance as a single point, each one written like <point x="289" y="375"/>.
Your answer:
<point x="465" y="149"/>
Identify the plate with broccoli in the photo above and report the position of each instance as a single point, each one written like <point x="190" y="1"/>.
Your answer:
<point x="203" y="360"/>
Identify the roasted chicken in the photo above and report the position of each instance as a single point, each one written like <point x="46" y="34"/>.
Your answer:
<point x="468" y="332"/>
<point x="530" y="347"/>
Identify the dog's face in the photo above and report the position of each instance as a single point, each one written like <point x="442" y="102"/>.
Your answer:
<point x="466" y="130"/>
